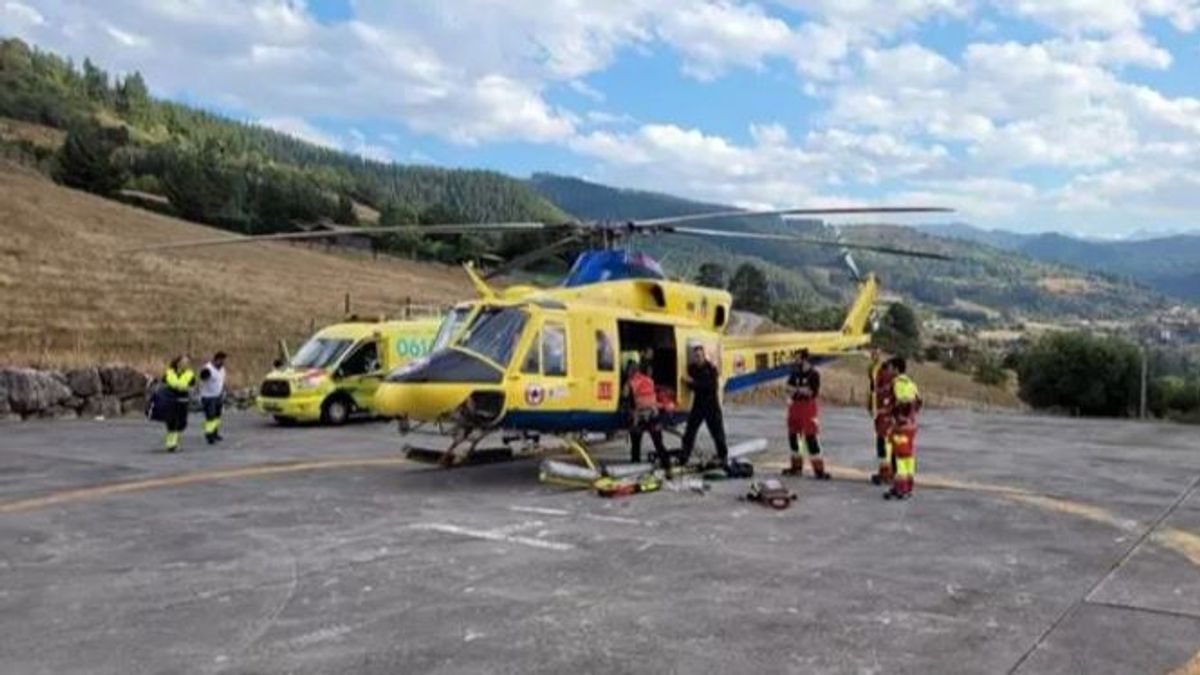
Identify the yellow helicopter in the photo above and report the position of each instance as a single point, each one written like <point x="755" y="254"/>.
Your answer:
<point x="549" y="360"/>
<point x="528" y="361"/>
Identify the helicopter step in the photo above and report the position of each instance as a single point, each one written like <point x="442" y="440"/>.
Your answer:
<point x="584" y="474"/>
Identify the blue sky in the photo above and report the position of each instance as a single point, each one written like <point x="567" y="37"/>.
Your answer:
<point x="1074" y="115"/>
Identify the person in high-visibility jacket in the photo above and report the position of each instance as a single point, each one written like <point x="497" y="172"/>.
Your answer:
<point x="879" y="406"/>
<point x="804" y="417"/>
<point x="906" y="404"/>
<point x="212" y="396"/>
<point x="178" y="379"/>
<point x="643" y="397"/>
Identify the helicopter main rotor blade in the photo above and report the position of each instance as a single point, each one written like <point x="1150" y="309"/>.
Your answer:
<point x="726" y="234"/>
<point x="461" y="228"/>
<point x="533" y="256"/>
<point x="836" y="211"/>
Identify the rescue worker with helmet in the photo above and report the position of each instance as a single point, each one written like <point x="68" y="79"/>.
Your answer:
<point x="803" y="417"/>
<point x="705" y="382"/>
<point x="906" y="404"/>
<point x="178" y="379"/>
<point x="879" y="405"/>
<point x="643" y="399"/>
<point x="212" y="396"/>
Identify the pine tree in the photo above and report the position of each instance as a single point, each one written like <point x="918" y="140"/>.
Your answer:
<point x="345" y="214"/>
<point x="711" y="275"/>
<point x="750" y="290"/>
<point x="133" y="99"/>
<point x="86" y="160"/>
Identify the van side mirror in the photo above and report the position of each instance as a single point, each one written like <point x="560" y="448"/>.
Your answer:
<point x="277" y="364"/>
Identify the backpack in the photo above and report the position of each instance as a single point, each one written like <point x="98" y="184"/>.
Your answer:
<point x="645" y="396"/>
<point x="772" y="493"/>
<point x="159" y="402"/>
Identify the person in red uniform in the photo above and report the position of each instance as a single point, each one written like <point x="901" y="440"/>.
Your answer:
<point x="880" y="404"/>
<point x="906" y="404"/>
<point x="804" y="417"/>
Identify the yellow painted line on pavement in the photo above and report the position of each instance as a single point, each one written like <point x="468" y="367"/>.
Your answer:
<point x="210" y="476"/>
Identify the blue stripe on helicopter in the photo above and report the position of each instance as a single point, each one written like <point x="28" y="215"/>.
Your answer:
<point x="572" y="420"/>
<point x="761" y="377"/>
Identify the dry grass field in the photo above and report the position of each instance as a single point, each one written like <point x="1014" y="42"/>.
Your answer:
<point x="71" y="293"/>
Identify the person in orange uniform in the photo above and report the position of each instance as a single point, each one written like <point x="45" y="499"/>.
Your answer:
<point x="804" y="417"/>
<point x="906" y="404"/>
<point x="879" y="406"/>
<point x="643" y="398"/>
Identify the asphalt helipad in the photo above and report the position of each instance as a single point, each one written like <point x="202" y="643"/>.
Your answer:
<point x="1034" y="545"/>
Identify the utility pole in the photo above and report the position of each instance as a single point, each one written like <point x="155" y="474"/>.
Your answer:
<point x="1142" y="408"/>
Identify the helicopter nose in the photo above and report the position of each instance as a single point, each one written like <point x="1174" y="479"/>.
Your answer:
<point x="420" y="402"/>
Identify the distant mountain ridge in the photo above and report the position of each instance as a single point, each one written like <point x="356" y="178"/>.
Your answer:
<point x="1169" y="264"/>
<point x="986" y="275"/>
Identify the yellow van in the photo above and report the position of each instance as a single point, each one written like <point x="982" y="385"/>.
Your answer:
<point x="335" y="374"/>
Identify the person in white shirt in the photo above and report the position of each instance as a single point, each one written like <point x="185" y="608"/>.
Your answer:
<point x="212" y="396"/>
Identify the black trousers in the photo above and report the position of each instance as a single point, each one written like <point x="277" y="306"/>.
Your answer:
<point x="213" y="406"/>
<point x="710" y="415"/>
<point x="635" y="441"/>
<point x="812" y="442"/>
<point x="177" y="416"/>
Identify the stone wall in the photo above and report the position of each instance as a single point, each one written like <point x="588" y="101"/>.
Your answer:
<point x="100" y="391"/>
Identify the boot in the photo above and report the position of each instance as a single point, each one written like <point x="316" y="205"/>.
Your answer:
<point x="797" y="467"/>
<point x="884" y="476"/>
<point x="819" y="469"/>
<point x="211" y="438"/>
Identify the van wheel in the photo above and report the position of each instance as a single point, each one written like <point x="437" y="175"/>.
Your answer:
<point x="336" y="410"/>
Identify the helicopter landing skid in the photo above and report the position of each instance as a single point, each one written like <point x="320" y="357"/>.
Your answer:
<point x="465" y="450"/>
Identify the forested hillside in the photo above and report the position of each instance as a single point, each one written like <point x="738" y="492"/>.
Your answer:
<point x="218" y="171"/>
<point x="980" y="278"/>
<point x="1168" y="264"/>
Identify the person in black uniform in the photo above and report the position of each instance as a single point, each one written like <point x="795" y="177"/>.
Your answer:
<point x="704" y="380"/>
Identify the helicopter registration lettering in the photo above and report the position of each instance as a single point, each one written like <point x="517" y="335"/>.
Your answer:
<point x="783" y="357"/>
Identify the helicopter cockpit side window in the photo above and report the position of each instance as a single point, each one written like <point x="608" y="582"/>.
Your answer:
<point x="605" y="352"/>
<point x="554" y="350"/>
<point x="533" y="358"/>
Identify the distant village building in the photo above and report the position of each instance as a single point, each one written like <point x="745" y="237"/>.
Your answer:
<point x="943" y="326"/>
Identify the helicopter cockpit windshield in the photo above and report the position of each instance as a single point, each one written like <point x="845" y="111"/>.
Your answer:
<point x="494" y="333"/>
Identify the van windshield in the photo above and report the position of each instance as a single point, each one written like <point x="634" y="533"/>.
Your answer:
<point x="450" y="327"/>
<point x="494" y="333"/>
<point x="320" y="352"/>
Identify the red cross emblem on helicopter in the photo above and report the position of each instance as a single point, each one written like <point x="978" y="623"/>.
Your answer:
<point x="535" y="394"/>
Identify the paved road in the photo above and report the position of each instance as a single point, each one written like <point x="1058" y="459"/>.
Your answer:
<point x="1033" y="546"/>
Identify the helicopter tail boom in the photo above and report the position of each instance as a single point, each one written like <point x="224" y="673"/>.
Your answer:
<point x="858" y="318"/>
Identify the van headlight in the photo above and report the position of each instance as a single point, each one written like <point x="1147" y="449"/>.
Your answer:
<point x="307" y="383"/>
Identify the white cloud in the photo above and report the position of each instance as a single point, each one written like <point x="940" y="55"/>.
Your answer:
<point x="125" y="38"/>
<point x="772" y="169"/>
<point x="1107" y="16"/>
<point x="21" y="13"/>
